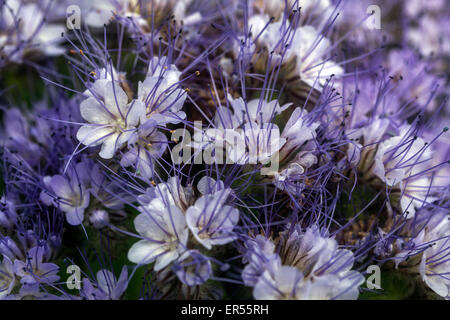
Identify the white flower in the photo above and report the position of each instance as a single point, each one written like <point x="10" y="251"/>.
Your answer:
<point x="333" y="287"/>
<point x="307" y="45"/>
<point x="415" y="7"/>
<point x="365" y="141"/>
<point x="261" y="142"/>
<point x="282" y="283"/>
<point x="388" y="164"/>
<point x="427" y="252"/>
<point x="100" y="12"/>
<point x="146" y="146"/>
<point x="293" y="170"/>
<point x="312" y="253"/>
<point x="170" y="193"/>
<point x="207" y="185"/>
<point x="193" y="268"/>
<point x="165" y="233"/>
<point x="107" y="287"/>
<point x="260" y="256"/>
<point x="112" y="120"/>
<point x="99" y="218"/>
<point x="181" y="13"/>
<point x="435" y="264"/>
<point x="309" y="266"/>
<point x="161" y="93"/>
<point x="256" y="111"/>
<point x="26" y="23"/>
<point x="210" y="221"/>
<point x="299" y="136"/>
<point x="298" y="131"/>
<point x="400" y="161"/>
<point x="252" y="144"/>
<point x="288" y="283"/>
<point x="270" y="37"/>
<point x="8" y="214"/>
<point x="311" y="49"/>
<point x="436" y="39"/>
<point x="162" y="223"/>
<point x="308" y="7"/>
<point x="102" y="77"/>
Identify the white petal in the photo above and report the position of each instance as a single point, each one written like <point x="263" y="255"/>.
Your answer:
<point x="109" y="146"/>
<point x="150" y="225"/>
<point x="164" y="260"/>
<point x="93" y="135"/>
<point x="135" y="113"/>
<point x="116" y="99"/>
<point x="144" y="252"/>
<point x="92" y="111"/>
<point x="75" y="217"/>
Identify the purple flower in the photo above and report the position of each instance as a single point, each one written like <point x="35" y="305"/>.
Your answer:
<point x="69" y="193"/>
<point x="163" y="228"/>
<point x="210" y="221"/>
<point x="34" y="270"/>
<point x="308" y="266"/>
<point x="161" y="94"/>
<point x="260" y="254"/>
<point x="427" y="251"/>
<point x="107" y="286"/>
<point x="193" y="268"/>
<point x="146" y="147"/>
<point x="24" y="30"/>
<point x="112" y="120"/>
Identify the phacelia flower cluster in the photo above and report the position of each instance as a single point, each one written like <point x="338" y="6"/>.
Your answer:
<point x="239" y="149"/>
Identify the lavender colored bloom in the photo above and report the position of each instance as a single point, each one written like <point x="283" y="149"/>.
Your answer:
<point x="320" y="142"/>
<point x="211" y="221"/>
<point x="99" y="218"/>
<point x="10" y="249"/>
<point x="34" y="270"/>
<point x="106" y="287"/>
<point x="307" y="266"/>
<point x="437" y="35"/>
<point x="161" y="94"/>
<point x="413" y="78"/>
<point x="426" y="252"/>
<point x="33" y="292"/>
<point x="163" y="228"/>
<point x="287" y="283"/>
<point x="310" y="48"/>
<point x="297" y="131"/>
<point x="23" y="29"/>
<point x="18" y="137"/>
<point x="260" y="254"/>
<point x="193" y="268"/>
<point x="108" y="193"/>
<point x="112" y="120"/>
<point x="147" y="145"/>
<point x="399" y="161"/>
<point x="68" y="193"/>
<point x="207" y="185"/>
